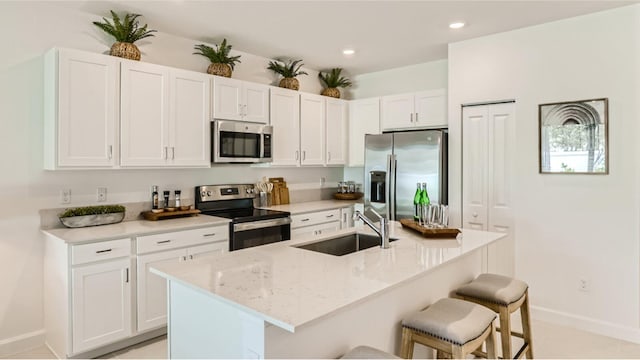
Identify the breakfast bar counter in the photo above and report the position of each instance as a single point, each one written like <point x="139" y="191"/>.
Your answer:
<point x="280" y="301"/>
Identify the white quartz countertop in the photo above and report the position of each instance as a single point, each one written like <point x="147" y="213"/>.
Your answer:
<point x="290" y="287"/>
<point x="133" y="228"/>
<point x="311" y="206"/>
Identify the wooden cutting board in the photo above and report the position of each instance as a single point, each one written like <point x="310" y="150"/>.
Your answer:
<point x="280" y="193"/>
<point x="446" y="233"/>
<point x="149" y="215"/>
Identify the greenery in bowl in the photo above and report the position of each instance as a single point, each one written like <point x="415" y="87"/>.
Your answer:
<point x="333" y="79"/>
<point x="128" y="30"/>
<point x="219" y="55"/>
<point x="288" y="69"/>
<point x="92" y="210"/>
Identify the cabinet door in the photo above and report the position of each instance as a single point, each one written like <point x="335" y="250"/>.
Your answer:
<point x="312" y="129"/>
<point x="189" y="119"/>
<point x="285" y="119"/>
<point x="101" y="304"/>
<point x="431" y="109"/>
<point x="227" y="98"/>
<point x="87" y="104"/>
<point x="144" y="114"/>
<point x="256" y="103"/>
<point x="336" y="132"/>
<point x="364" y="118"/>
<point x="152" y="289"/>
<point x="397" y="112"/>
<point x="475" y="120"/>
<point x="208" y="249"/>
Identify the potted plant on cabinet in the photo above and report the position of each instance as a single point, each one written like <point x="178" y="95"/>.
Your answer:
<point x="221" y="63"/>
<point x="333" y="81"/>
<point x="289" y="70"/>
<point x="126" y="34"/>
<point x="92" y="216"/>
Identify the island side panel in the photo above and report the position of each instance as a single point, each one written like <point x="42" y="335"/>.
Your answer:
<point x="201" y="326"/>
<point x="374" y="321"/>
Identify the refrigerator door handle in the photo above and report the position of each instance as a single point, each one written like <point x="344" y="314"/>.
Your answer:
<point x="391" y="187"/>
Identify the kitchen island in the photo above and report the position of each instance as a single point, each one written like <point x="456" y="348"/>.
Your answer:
<point x="279" y="301"/>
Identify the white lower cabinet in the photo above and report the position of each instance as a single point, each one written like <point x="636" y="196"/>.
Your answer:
<point x="322" y="222"/>
<point x="152" y="289"/>
<point x="101" y="303"/>
<point x="90" y="304"/>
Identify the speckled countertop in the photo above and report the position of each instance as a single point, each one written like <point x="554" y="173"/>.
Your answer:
<point x="132" y="228"/>
<point x="290" y="287"/>
<point x="311" y="206"/>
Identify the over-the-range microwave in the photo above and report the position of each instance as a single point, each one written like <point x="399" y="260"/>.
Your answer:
<point x="240" y="142"/>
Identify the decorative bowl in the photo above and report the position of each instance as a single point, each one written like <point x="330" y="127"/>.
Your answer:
<point x="92" y="220"/>
<point x="348" y="196"/>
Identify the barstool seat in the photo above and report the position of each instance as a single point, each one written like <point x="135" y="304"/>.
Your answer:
<point x="503" y="295"/>
<point x="452" y="326"/>
<point x="367" y="352"/>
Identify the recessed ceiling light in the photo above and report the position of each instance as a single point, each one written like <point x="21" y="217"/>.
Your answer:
<point x="456" y="25"/>
<point x="348" y="52"/>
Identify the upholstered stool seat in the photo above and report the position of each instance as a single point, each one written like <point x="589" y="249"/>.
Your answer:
<point x="367" y="352"/>
<point x="503" y="295"/>
<point x="452" y="326"/>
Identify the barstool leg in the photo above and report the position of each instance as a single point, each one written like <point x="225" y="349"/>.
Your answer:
<point x="505" y="332"/>
<point x="491" y="343"/>
<point x="457" y="352"/>
<point x="526" y="324"/>
<point x="406" y="349"/>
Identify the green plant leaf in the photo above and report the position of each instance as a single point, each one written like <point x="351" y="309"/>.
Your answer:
<point x="332" y="78"/>
<point x="288" y="69"/>
<point x="218" y="55"/>
<point x="127" y="30"/>
<point x="92" y="210"/>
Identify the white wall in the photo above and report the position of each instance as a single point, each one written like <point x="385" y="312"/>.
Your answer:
<point x="568" y="227"/>
<point x="31" y="29"/>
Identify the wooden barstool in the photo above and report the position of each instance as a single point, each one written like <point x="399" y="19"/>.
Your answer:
<point x="451" y="326"/>
<point x="367" y="352"/>
<point x="503" y="295"/>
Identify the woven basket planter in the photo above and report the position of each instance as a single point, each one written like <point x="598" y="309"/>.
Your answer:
<point x="219" y="69"/>
<point x="125" y="50"/>
<point x="289" y="83"/>
<point x="332" y="92"/>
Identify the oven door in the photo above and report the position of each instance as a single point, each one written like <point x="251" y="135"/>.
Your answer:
<point x="261" y="232"/>
<point x="240" y="142"/>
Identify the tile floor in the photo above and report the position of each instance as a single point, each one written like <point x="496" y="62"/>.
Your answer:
<point x="550" y="342"/>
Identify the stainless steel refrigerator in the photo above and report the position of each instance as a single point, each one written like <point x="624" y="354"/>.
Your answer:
<point x="396" y="162"/>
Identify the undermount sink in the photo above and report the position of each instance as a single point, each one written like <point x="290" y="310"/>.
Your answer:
<point x="344" y="245"/>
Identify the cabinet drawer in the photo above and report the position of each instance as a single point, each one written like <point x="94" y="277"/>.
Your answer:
<point x="318" y="217"/>
<point x="316" y="230"/>
<point x="173" y="240"/>
<point x="82" y="254"/>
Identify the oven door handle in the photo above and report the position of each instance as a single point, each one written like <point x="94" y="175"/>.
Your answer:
<point x="261" y="224"/>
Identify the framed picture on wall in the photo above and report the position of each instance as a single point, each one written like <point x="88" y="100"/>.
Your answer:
<point x="573" y="137"/>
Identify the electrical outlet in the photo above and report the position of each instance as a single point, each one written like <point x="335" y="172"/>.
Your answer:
<point x="584" y="285"/>
<point x="65" y="196"/>
<point x="102" y="194"/>
<point x="323" y="180"/>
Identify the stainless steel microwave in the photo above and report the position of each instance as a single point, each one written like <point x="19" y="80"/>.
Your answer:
<point x="240" y="142"/>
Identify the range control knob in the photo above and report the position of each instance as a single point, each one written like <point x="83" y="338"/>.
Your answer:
<point x="249" y="190"/>
<point x="203" y="194"/>
<point x="209" y="193"/>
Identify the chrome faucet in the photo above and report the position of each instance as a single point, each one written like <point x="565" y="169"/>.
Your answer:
<point x="383" y="231"/>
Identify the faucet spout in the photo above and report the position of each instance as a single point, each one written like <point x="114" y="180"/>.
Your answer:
<point x="383" y="231"/>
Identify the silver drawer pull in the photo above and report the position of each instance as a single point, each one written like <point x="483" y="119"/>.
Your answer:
<point x="305" y="220"/>
<point x="330" y="216"/>
<point x="163" y="242"/>
<point x="208" y="235"/>
<point x="103" y="251"/>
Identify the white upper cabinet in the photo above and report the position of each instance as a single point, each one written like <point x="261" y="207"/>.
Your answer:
<point x="285" y="119"/>
<point x="240" y="100"/>
<point x="337" y="132"/>
<point x="364" y="118"/>
<point x="312" y="129"/>
<point x="164" y="116"/>
<point x="81" y="103"/>
<point x="144" y="114"/>
<point x="189" y="135"/>
<point x="426" y="109"/>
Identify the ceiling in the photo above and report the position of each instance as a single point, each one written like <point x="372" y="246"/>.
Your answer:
<point x="384" y="34"/>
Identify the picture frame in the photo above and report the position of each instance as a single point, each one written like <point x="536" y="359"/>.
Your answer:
<point x="573" y="137"/>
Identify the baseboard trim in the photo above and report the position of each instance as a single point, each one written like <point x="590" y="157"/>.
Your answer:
<point x="599" y="327"/>
<point x="21" y="343"/>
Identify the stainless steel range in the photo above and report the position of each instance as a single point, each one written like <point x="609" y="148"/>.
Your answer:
<point x="249" y="226"/>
